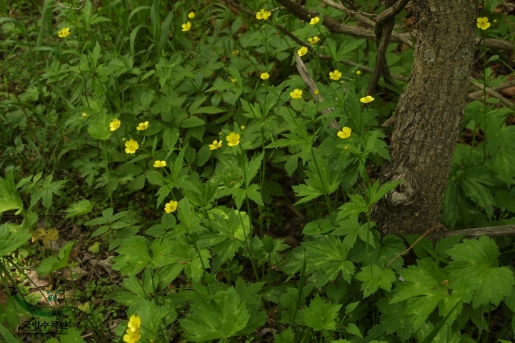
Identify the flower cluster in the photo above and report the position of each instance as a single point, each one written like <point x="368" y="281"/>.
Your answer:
<point x="133" y="334"/>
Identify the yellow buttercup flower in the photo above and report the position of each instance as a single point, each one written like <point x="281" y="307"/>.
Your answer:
<point x="63" y="33"/>
<point x="367" y="99"/>
<point x="186" y="26"/>
<point x="134" y="323"/>
<point x="314" y="21"/>
<point x="233" y="79"/>
<point x="191" y="15"/>
<point x="263" y="15"/>
<point x="235" y="52"/>
<point x="171" y="206"/>
<point x="296" y="94"/>
<point x="114" y="125"/>
<point x="335" y="75"/>
<point x="302" y="51"/>
<point x="84" y="114"/>
<point x="482" y="23"/>
<point x="159" y="164"/>
<point x="133" y="334"/>
<point x="233" y="139"/>
<point x="216" y="145"/>
<point x="264" y="76"/>
<point x="316" y="92"/>
<point x="131" y="146"/>
<point x="142" y="126"/>
<point x="345" y="132"/>
<point x="313" y="40"/>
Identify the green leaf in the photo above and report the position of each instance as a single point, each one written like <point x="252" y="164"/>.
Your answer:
<point x="473" y="267"/>
<point x="374" y="277"/>
<point x="9" y="197"/>
<point x="79" y="208"/>
<point x="385" y="188"/>
<point x="192" y="122"/>
<point x="321" y="315"/>
<point x="218" y="318"/>
<point x="45" y="190"/>
<point x="10" y="241"/>
<point x="133" y="256"/>
<point x="99" y="127"/>
<point x="353" y="329"/>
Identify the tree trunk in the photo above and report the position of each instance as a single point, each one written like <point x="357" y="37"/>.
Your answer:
<point x="428" y="117"/>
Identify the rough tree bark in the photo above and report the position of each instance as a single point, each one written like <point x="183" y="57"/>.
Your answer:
<point x="428" y="117"/>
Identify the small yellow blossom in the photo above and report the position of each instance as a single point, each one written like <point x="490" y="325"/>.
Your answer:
<point x="84" y="114"/>
<point x="233" y="79"/>
<point x="316" y="92"/>
<point x="134" y="323"/>
<point x="314" y="40"/>
<point x="345" y="132"/>
<point x="159" y="164"/>
<point x="302" y="51"/>
<point x="63" y="33"/>
<point x="233" y="139"/>
<point x="358" y="72"/>
<point x="335" y="75"/>
<point x="314" y="21"/>
<point x="235" y="52"/>
<point x="242" y="127"/>
<point x="296" y="94"/>
<point x="191" y="15"/>
<point x="263" y="15"/>
<point x="367" y="99"/>
<point x="216" y="145"/>
<point x="132" y="337"/>
<point x="186" y="26"/>
<point x="142" y="126"/>
<point x="171" y="206"/>
<point x="131" y="146"/>
<point x="482" y="23"/>
<point x="114" y="125"/>
<point x="264" y="76"/>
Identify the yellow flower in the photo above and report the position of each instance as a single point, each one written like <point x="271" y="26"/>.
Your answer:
<point x="313" y="40"/>
<point x="242" y="127"/>
<point x="302" y="51"/>
<point x="235" y="52"/>
<point x="345" y="132"/>
<point x="482" y="23"/>
<point x="335" y="75"/>
<point x="314" y="21"/>
<point x="159" y="164"/>
<point x="186" y="26"/>
<point x="216" y="145"/>
<point x="233" y="80"/>
<point x="296" y="94"/>
<point x="367" y="99"/>
<point x="316" y="92"/>
<point x="264" y="76"/>
<point x="191" y="15"/>
<point x="84" y="114"/>
<point x="131" y="146"/>
<point x="358" y="72"/>
<point x="63" y="33"/>
<point x="134" y="323"/>
<point x="263" y="15"/>
<point x="171" y="206"/>
<point x="142" y="126"/>
<point x="114" y="125"/>
<point x="132" y="337"/>
<point x="233" y="139"/>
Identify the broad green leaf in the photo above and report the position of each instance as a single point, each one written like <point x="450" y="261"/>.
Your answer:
<point x="218" y="318"/>
<point x="133" y="256"/>
<point x="321" y="315"/>
<point x="192" y="122"/>
<point x="79" y="208"/>
<point x="374" y="277"/>
<point x="9" y="197"/>
<point x="474" y="267"/>
<point x="99" y="127"/>
<point x="10" y="241"/>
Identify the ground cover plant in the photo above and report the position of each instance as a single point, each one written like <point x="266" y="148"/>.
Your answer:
<point x="257" y="171"/>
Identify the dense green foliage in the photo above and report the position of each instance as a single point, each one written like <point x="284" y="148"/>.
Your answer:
<point x="202" y="247"/>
